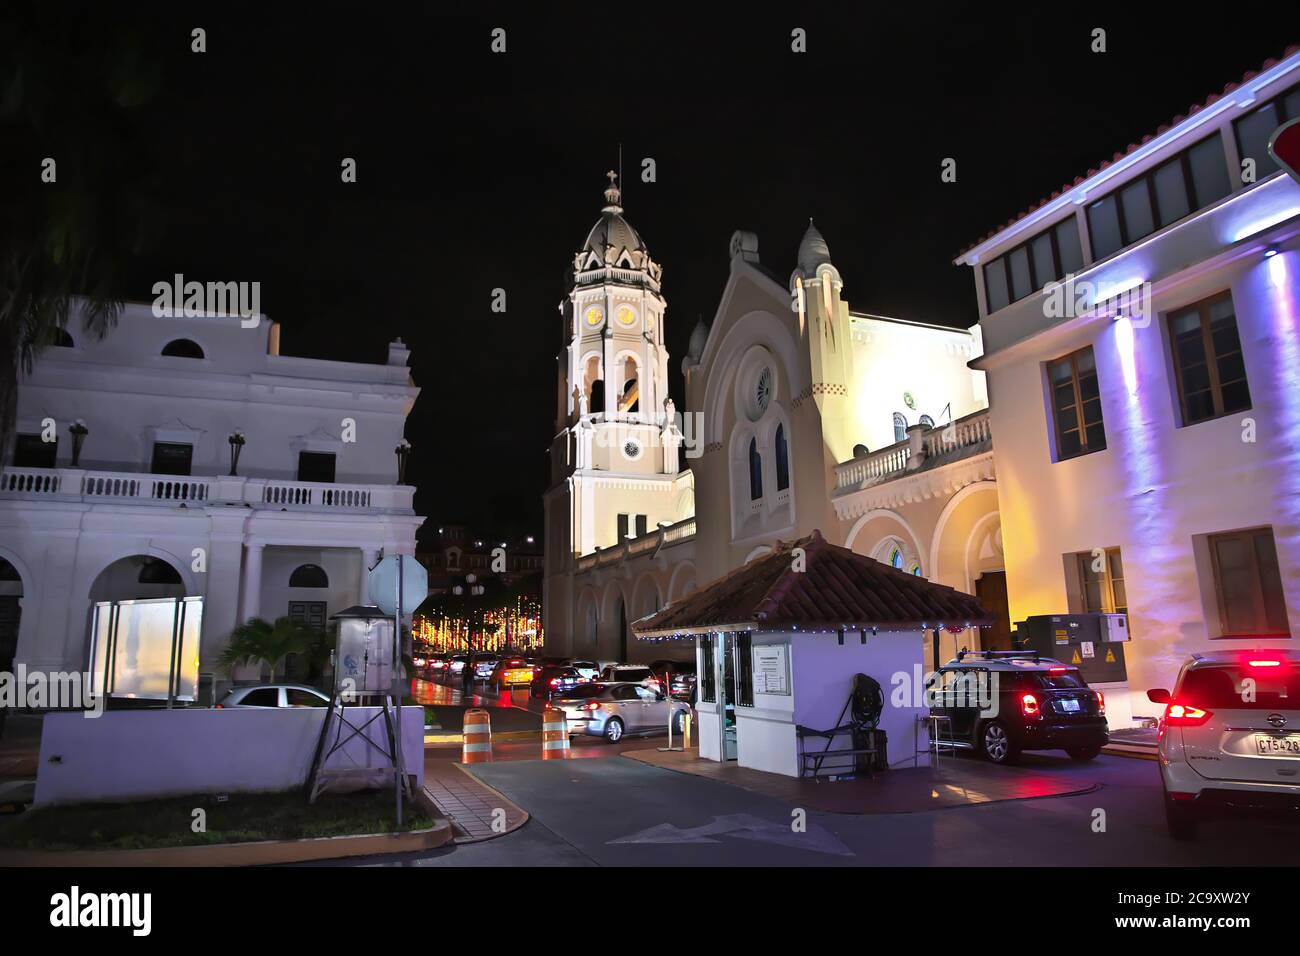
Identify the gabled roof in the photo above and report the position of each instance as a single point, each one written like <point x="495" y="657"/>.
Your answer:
<point x="836" y="588"/>
<point x="1132" y="148"/>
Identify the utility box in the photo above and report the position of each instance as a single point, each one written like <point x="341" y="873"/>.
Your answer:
<point x="1094" y="643"/>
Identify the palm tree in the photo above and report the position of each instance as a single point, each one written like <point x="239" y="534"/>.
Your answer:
<point x="258" y="642"/>
<point x="69" y="94"/>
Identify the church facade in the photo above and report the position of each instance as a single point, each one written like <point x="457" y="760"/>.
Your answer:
<point x="800" y="414"/>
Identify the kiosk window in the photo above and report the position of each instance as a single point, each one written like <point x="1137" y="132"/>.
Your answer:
<point x="708" y="680"/>
<point x="745" y="670"/>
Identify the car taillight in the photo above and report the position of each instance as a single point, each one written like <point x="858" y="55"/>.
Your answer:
<point x="1185" y="715"/>
<point x="1029" y="705"/>
<point x="1101" y="702"/>
<point x="555" y="682"/>
<point x="1265" y="663"/>
<point x="591" y="705"/>
<point x="1056" y="670"/>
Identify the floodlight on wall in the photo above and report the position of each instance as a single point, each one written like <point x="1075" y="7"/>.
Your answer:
<point x="236" y="441"/>
<point x="78" y="431"/>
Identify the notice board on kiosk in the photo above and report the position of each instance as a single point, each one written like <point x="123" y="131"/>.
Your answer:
<point x="1094" y="643"/>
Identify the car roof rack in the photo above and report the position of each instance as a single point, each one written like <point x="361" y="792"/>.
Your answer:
<point x="1000" y="655"/>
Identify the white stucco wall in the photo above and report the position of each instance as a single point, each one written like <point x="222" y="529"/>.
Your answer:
<point x="138" y="754"/>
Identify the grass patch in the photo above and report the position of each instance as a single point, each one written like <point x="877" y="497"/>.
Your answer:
<point x="243" y="818"/>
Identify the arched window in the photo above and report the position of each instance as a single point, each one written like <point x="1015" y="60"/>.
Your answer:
<point x="755" y="471"/>
<point x="183" y="348"/>
<point x="782" y="460"/>
<point x="309" y="576"/>
<point x="916" y="570"/>
<point x="927" y="421"/>
<point x="900" y="427"/>
<point x="154" y="571"/>
<point x="896" y="558"/>
<point x="629" y="401"/>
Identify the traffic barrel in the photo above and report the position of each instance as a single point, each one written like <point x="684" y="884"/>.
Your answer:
<point x="555" y="734"/>
<point x="477" y="731"/>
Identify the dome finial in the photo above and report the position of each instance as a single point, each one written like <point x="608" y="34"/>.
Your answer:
<point x="613" y="195"/>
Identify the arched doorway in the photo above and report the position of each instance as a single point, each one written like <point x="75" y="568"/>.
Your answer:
<point x="11" y="597"/>
<point x="138" y="643"/>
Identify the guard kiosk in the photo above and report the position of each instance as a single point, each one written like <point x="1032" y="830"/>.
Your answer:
<point x="780" y="644"/>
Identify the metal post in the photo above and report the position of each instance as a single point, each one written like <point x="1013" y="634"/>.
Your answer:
<point x="398" y="764"/>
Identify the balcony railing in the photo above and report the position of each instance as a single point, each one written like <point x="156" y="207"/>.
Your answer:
<point x="74" y="484"/>
<point x="650" y="542"/>
<point x="909" y="455"/>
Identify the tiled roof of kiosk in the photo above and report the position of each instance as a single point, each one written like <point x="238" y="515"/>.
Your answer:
<point x="837" y="588"/>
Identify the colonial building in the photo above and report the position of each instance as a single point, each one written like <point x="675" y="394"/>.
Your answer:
<point x="187" y="456"/>
<point x="1142" y="338"/>
<point x="801" y="414"/>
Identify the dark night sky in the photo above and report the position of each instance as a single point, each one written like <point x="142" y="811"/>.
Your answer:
<point x="479" y="171"/>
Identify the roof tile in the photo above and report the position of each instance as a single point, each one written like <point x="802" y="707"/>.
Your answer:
<point x="837" y="588"/>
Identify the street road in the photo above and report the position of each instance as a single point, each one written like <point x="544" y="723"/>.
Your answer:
<point x="622" y="812"/>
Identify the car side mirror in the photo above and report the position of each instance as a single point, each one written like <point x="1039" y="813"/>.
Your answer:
<point x="1159" y="696"/>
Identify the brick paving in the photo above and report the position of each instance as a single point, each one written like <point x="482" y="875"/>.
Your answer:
<point x="468" y="802"/>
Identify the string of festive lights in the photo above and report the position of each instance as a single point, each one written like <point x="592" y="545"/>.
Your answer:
<point x="515" y="627"/>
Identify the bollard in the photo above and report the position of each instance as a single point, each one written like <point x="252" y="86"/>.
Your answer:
<point x="686" y="731"/>
<point x="555" y="734"/>
<point x="477" y="747"/>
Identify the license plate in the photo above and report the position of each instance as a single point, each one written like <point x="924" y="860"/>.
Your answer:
<point x="1069" y="705"/>
<point x="1267" y="745"/>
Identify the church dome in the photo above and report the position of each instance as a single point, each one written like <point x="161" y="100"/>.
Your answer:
<point x="613" y="243"/>
<point x="813" y="251"/>
<point x="699" y="338"/>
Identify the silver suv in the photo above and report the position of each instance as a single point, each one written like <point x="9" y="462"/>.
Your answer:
<point x="1230" y="736"/>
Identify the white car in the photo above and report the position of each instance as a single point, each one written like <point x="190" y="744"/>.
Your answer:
<point x="1230" y="736"/>
<point x="273" y="695"/>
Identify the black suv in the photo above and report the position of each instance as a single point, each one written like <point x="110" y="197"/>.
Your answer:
<point x="1000" y="703"/>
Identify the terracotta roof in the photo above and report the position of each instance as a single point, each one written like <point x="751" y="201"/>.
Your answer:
<point x="836" y="588"/>
<point x="1133" y="147"/>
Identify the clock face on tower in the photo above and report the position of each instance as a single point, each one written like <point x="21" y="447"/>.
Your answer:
<point x="594" y="316"/>
<point x="626" y="316"/>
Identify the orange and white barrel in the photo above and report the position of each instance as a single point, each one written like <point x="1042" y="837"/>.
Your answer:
<point x="555" y="734"/>
<point x="477" y="745"/>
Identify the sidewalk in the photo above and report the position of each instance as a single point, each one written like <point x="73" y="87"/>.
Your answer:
<point x="954" y="783"/>
<point x="469" y="803"/>
<point x="1139" y="742"/>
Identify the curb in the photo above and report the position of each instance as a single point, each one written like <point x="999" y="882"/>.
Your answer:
<point x="524" y="815"/>
<point x="508" y="736"/>
<point x="1132" y="751"/>
<point x="259" y="853"/>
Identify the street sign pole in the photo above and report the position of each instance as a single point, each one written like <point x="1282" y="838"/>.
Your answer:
<point x="399" y="765"/>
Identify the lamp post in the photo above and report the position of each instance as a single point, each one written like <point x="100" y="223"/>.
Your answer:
<point x="471" y="588"/>
<point x="403" y="452"/>
<point x="79" y="431"/>
<point x="236" y="441"/>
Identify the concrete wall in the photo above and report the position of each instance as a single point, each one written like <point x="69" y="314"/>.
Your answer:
<point x="143" y="754"/>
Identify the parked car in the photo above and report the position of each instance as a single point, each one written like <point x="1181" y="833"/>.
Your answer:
<point x="273" y="695"/>
<point x="555" y="681"/>
<point x="1229" y="739"/>
<point x="455" y="664"/>
<point x="438" y="664"/>
<point x="677" y="676"/>
<point x="1001" y="703"/>
<point x="511" y="672"/>
<point x="614" y="710"/>
<point x="588" y="669"/>
<point x="630" y="673"/>
<point x="484" y="664"/>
